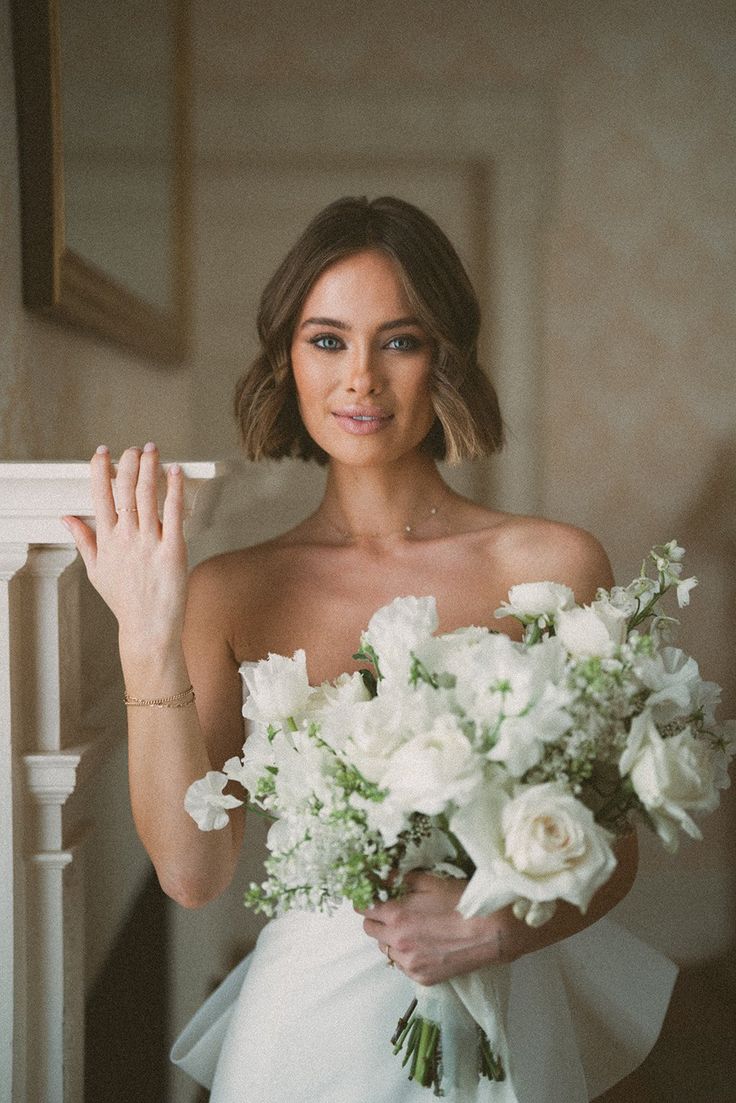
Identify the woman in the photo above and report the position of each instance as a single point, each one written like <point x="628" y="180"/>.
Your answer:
<point x="369" y="333"/>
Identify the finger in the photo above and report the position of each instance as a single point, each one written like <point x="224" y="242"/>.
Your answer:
<point x="84" y="539"/>
<point x="374" y="929"/>
<point x="125" y="484"/>
<point x="102" y="497"/>
<point x="146" y="493"/>
<point x="173" y="521"/>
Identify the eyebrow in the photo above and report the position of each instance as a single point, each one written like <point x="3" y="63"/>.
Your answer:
<point x="335" y="323"/>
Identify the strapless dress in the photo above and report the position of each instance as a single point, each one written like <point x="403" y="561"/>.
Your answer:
<point x="307" y="1017"/>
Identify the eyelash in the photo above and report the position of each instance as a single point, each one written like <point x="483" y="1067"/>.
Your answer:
<point x="413" y="342"/>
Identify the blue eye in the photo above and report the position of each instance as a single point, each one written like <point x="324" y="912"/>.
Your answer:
<point x="326" y="341"/>
<point x="405" y="343"/>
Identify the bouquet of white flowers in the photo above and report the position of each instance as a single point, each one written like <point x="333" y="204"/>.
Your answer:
<point x="514" y="765"/>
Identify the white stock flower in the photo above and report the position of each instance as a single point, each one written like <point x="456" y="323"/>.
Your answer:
<point x="397" y="629"/>
<point x="529" y="600"/>
<point x="671" y="777"/>
<point x="592" y="631"/>
<point x="541" y="844"/>
<point x="433" y="769"/>
<point x="278" y="688"/>
<point x="206" y="802"/>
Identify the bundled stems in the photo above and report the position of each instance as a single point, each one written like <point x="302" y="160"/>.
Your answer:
<point x="420" y="1039"/>
<point x="489" y="1064"/>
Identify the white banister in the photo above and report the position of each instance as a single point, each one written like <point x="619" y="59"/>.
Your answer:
<point x="49" y="755"/>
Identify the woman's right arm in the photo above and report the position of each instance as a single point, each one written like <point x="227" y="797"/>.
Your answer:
<point x="172" y="631"/>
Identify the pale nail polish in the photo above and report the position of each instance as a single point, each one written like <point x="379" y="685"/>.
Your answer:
<point x="102" y="448"/>
<point x="150" y="447"/>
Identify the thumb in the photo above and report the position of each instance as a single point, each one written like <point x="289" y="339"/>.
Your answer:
<point x="84" y="539"/>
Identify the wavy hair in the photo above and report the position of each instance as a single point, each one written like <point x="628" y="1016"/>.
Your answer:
<point x="468" y="421"/>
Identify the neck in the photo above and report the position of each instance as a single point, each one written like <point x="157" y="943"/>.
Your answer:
<point x="386" y="503"/>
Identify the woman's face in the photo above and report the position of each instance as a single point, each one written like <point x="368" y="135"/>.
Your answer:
<point x="362" y="363"/>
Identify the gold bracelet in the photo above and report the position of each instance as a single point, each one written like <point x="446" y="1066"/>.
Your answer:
<point x="176" y="701"/>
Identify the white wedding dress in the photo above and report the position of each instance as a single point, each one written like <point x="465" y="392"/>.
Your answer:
<point x="308" y="1015"/>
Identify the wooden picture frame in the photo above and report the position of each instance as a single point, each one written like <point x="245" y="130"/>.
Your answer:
<point x="59" y="282"/>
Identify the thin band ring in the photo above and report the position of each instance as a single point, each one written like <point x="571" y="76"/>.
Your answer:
<point x="390" y="961"/>
<point x="127" y="509"/>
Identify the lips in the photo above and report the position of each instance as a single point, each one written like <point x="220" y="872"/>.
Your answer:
<point x="362" y="419"/>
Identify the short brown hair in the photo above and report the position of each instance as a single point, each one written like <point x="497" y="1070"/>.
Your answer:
<point x="468" y="421"/>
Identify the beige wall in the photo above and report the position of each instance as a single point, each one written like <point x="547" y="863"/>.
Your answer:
<point x="62" y="392"/>
<point x="635" y="296"/>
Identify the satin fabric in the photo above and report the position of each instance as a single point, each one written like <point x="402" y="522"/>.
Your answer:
<point x="307" y="1018"/>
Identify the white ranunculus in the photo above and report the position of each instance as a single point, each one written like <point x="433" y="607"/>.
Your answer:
<point x="540" y="844"/>
<point x="397" y="629"/>
<point x="592" y="631"/>
<point x="434" y="769"/>
<point x="671" y="777"/>
<point x="278" y="688"/>
<point x="536" y="599"/>
<point x="206" y="802"/>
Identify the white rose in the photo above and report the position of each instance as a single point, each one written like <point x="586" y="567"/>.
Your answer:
<point x="206" y="802"/>
<point x="368" y="734"/>
<point x="536" y="599"/>
<point x="433" y="769"/>
<point x="541" y="844"/>
<point x="397" y="629"/>
<point x="671" y="777"/>
<point x="592" y="631"/>
<point x="278" y="688"/>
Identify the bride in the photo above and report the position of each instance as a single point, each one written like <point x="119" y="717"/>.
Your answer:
<point x="368" y="365"/>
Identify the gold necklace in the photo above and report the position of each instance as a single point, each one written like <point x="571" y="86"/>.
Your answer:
<point x="408" y="529"/>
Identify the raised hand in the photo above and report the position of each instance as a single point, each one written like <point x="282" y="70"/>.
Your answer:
<point x="136" y="561"/>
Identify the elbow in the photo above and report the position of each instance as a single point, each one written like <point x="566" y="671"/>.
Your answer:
<point x="189" y="892"/>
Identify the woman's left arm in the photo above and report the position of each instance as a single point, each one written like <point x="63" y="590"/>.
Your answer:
<point x="430" y="940"/>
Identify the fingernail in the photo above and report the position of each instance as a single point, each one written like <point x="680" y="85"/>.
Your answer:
<point x="175" y="469"/>
<point x="65" y="522"/>
<point x="102" y="448"/>
<point x="150" y="447"/>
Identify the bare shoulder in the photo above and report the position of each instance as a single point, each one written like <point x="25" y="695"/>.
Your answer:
<point x="537" y="549"/>
<point x="233" y="573"/>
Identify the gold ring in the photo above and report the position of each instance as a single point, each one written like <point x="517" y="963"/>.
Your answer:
<point x="127" y="509"/>
<point x="390" y="961"/>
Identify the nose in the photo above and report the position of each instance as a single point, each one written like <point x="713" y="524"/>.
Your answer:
<point x="363" y="371"/>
